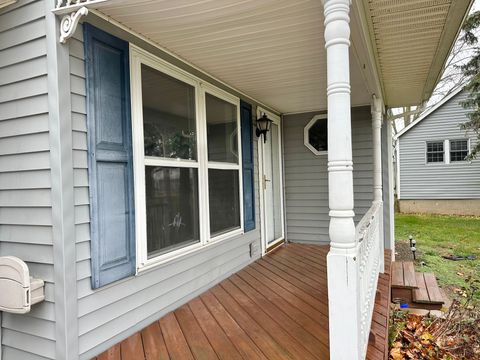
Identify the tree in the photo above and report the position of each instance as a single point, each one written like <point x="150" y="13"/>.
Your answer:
<point x="471" y="71"/>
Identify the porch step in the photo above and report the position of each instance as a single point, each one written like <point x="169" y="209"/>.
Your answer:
<point x="428" y="291"/>
<point x="418" y="290"/>
<point x="403" y="275"/>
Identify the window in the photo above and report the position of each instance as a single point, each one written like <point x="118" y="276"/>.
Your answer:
<point x="187" y="160"/>
<point x="435" y="151"/>
<point x="316" y="135"/>
<point x="171" y="188"/>
<point x="458" y="150"/>
<point x="223" y="167"/>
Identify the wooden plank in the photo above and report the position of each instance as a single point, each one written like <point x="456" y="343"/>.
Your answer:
<point x="245" y="346"/>
<point x="420" y="295"/>
<point x="196" y="339"/>
<point x="262" y="338"/>
<point x="306" y="292"/>
<point x="301" y="273"/>
<point x="308" y="341"/>
<point x="217" y="337"/>
<point x="313" y="320"/>
<point x="132" y="348"/>
<point x="272" y="325"/>
<point x="378" y="350"/>
<point x="111" y="354"/>
<point x="397" y="274"/>
<point x="433" y="290"/>
<point x="153" y="343"/>
<point x="291" y="297"/>
<point x="409" y="274"/>
<point x="176" y="344"/>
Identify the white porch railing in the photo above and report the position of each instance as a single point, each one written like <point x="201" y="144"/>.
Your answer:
<point x="369" y="238"/>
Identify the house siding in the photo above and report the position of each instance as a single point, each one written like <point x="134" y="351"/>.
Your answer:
<point x="25" y="181"/>
<point x="419" y="180"/>
<point x="111" y="313"/>
<point x="306" y="177"/>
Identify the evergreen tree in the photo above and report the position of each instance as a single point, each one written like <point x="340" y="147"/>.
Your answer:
<point x="471" y="71"/>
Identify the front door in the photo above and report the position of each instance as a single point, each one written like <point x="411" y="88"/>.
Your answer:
<point x="271" y="184"/>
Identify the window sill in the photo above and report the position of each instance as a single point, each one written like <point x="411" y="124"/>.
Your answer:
<point x="170" y="257"/>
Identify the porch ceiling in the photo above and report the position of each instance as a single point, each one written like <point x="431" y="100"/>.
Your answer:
<point x="273" y="50"/>
<point x="412" y="40"/>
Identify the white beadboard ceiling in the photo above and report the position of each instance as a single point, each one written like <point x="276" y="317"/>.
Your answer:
<point x="273" y="50"/>
<point x="412" y="40"/>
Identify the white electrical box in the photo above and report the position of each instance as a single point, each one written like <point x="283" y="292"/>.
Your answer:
<point x="18" y="291"/>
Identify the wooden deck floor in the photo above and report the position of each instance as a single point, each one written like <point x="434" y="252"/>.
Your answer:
<point x="276" y="308"/>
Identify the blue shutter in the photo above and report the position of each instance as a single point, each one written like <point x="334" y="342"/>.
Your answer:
<point x="247" y="167"/>
<point x="109" y="157"/>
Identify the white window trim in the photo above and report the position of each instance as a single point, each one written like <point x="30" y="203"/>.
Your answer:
<point x="138" y="57"/>
<point x="305" y="134"/>
<point x="425" y="153"/>
<point x="468" y="151"/>
<point x="446" y="150"/>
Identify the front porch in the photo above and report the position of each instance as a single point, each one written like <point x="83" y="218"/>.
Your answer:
<point x="276" y="308"/>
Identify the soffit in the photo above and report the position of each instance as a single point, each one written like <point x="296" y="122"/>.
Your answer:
<point x="272" y="50"/>
<point x="412" y="41"/>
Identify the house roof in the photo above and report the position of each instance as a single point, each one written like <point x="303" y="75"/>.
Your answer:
<point x="429" y="111"/>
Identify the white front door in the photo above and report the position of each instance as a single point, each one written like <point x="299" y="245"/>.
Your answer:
<point x="271" y="184"/>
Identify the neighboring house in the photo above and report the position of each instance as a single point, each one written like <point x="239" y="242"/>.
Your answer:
<point x="433" y="174"/>
<point x="131" y="176"/>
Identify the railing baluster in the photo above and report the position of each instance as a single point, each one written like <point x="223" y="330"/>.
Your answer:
<point x="368" y="239"/>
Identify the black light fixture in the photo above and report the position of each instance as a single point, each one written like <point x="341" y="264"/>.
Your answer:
<point x="263" y="126"/>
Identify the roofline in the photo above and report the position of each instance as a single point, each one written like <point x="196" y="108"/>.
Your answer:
<point x="428" y="112"/>
<point x="448" y="38"/>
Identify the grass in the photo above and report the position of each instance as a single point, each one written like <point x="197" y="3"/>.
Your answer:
<point x="439" y="235"/>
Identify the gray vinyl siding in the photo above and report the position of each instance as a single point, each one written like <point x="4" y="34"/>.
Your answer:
<point x="387" y="187"/>
<point x="419" y="180"/>
<point x="25" y="182"/>
<point x="306" y="177"/>
<point x="109" y="314"/>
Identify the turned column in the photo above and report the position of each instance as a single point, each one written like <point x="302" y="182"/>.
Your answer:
<point x="377" y="115"/>
<point x="342" y="262"/>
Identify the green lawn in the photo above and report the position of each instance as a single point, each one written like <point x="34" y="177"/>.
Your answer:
<point x="443" y="235"/>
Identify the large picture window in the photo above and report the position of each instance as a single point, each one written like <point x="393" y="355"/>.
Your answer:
<point x="187" y="161"/>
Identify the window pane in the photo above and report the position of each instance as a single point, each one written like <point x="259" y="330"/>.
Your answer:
<point x="172" y="208"/>
<point x="317" y="135"/>
<point x="435" y="152"/>
<point x="224" y="201"/>
<point x="221" y="130"/>
<point x="168" y="116"/>
<point x="458" y="150"/>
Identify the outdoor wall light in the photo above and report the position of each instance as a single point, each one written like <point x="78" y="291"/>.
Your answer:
<point x="263" y="126"/>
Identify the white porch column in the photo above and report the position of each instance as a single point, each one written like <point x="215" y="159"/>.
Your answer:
<point x="377" y="115"/>
<point x="342" y="262"/>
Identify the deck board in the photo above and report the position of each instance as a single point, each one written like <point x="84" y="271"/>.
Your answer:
<point x="275" y="308"/>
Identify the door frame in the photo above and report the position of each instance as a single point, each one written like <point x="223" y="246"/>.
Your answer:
<point x="276" y="120"/>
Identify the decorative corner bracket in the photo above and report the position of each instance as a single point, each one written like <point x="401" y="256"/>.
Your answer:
<point x="69" y="23"/>
<point x="72" y="11"/>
